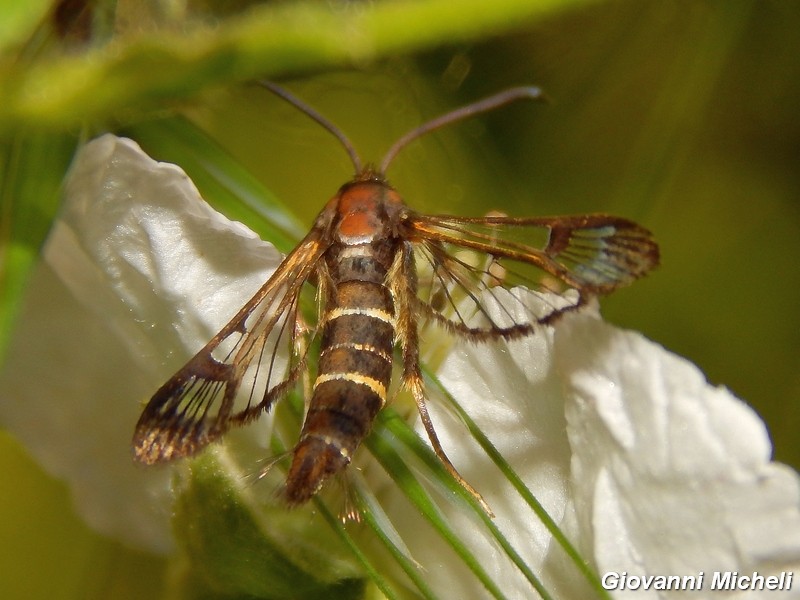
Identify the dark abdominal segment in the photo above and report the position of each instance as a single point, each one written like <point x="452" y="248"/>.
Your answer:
<point x="355" y="368"/>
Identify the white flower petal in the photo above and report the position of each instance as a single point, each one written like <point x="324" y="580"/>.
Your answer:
<point x="513" y="394"/>
<point x="138" y="274"/>
<point x="670" y="474"/>
<point x="646" y="467"/>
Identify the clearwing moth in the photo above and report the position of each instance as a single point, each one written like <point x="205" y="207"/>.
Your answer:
<point x="379" y="269"/>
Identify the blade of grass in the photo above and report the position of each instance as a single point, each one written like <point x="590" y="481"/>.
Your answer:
<point x="380" y="445"/>
<point x="487" y="446"/>
<point x="373" y="515"/>
<point x="412" y="441"/>
<point x="338" y="527"/>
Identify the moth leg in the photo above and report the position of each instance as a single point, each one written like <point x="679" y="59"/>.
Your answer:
<point x="414" y="381"/>
<point x="403" y="283"/>
<point x="300" y="341"/>
<point x="349" y="510"/>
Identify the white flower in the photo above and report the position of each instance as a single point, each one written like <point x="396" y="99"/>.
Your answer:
<point x="138" y="273"/>
<point x="643" y="465"/>
<point x="647" y="468"/>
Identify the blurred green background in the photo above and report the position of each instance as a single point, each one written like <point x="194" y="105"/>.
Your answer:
<point x="681" y="115"/>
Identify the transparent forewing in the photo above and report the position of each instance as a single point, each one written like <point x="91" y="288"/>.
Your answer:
<point x="462" y="259"/>
<point x="238" y="374"/>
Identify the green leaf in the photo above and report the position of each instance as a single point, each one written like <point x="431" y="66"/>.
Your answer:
<point x="146" y="71"/>
<point x="31" y="169"/>
<point x="237" y="549"/>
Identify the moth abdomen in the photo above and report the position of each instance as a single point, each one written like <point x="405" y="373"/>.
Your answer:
<point x="355" y="366"/>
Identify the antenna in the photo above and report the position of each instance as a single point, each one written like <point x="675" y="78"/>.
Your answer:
<point x="330" y="127"/>
<point x="465" y="112"/>
<point x="459" y="114"/>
